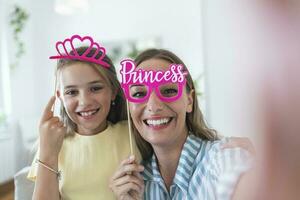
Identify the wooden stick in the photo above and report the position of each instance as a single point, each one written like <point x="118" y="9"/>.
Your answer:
<point x="129" y="127"/>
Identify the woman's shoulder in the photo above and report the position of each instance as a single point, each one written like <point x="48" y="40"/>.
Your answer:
<point x="213" y="150"/>
<point x="216" y="156"/>
<point x="207" y="146"/>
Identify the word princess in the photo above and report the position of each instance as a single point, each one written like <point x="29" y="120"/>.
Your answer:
<point x="138" y="84"/>
<point x="132" y="76"/>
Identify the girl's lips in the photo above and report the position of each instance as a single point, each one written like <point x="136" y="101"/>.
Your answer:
<point x="88" y="114"/>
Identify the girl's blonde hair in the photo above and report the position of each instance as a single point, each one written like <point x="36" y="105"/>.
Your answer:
<point x="195" y="121"/>
<point x="118" y="108"/>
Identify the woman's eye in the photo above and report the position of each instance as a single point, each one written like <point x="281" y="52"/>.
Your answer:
<point x="169" y="92"/>
<point x="138" y="94"/>
<point x="96" y="88"/>
<point x="71" y="92"/>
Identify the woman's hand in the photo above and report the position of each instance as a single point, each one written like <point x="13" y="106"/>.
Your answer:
<point x="241" y="142"/>
<point x="52" y="132"/>
<point x="127" y="183"/>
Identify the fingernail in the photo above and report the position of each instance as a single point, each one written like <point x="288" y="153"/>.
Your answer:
<point x="131" y="157"/>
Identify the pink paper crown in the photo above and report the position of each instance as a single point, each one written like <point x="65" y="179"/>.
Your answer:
<point x="61" y="47"/>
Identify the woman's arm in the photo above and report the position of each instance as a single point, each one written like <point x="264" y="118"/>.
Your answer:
<point x="127" y="183"/>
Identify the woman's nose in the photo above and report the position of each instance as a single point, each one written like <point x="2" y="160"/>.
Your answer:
<point x="154" y="104"/>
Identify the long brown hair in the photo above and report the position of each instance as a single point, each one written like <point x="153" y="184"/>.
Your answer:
<point x="118" y="109"/>
<point x="194" y="120"/>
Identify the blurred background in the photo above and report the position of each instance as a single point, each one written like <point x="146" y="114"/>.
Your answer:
<point x="219" y="41"/>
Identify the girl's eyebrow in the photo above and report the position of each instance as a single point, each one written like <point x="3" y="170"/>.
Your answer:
<point x="97" y="81"/>
<point x="89" y="83"/>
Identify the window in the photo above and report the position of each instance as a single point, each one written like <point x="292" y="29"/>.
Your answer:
<point x="5" y="101"/>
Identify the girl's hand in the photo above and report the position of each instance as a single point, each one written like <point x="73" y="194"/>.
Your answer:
<point x="52" y="132"/>
<point x="241" y="142"/>
<point x="127" y="183"/>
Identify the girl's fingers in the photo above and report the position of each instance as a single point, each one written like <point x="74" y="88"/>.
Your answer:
<point x="47" y="114"/>
<point x="53" y="120"/>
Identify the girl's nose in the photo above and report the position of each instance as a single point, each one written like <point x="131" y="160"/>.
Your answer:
<point x="154" y="104"/>
<point x="84" y="99"/>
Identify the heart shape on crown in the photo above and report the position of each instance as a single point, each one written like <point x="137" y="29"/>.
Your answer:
<point x="69" y="43"/>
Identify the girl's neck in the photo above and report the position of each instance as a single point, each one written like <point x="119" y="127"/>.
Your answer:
<point x="168" y="159"/>
<point x="89" y="132"/>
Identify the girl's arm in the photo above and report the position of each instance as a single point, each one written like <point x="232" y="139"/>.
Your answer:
<point x="46" y="184"/>
<point x="52" y="133"/>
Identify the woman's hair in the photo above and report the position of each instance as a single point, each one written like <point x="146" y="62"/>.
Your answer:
<point x="194" y="120"/>
<point x="118" y="109"/>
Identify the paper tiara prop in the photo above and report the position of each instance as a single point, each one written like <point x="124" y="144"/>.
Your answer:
<point x="62" y="51"/>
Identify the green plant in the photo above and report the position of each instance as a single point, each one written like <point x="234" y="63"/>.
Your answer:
<point x="2" y="118"/>
<point x="133" y="51"/>
<point x="19" y="17"/>
<point x="197" y="82"/>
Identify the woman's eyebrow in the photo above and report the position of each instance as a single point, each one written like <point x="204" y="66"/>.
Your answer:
<point x="136" y="85"/>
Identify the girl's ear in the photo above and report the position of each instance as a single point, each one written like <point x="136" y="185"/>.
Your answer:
<point x="114" y="94"/>
<point x="58" y="94"/>
<point x="190" y="103"/>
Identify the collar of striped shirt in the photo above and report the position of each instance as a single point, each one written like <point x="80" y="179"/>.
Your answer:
<point x="185" y="168"/>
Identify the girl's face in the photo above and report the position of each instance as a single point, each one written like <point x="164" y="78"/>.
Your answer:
<point x="161" y="123"/>
<point x="86" y="97"/>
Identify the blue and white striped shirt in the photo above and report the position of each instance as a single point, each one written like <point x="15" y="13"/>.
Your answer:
<point x="205" y="171"/>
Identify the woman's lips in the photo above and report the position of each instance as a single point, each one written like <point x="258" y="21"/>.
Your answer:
<point x="158" y="123"/>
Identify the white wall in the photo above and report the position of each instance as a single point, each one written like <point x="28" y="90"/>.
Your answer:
<point x="229" y="49"/>
<point x="178" y="23"/>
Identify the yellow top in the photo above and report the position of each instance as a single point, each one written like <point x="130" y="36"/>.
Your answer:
<point x="88" y="162"/>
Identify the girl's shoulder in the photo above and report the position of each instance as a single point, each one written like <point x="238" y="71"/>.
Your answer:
<point x="120" y="126"/>
<point x="123" y="123"/>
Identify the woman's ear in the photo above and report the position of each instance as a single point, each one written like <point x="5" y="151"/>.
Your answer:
<point x="190" y="98"/>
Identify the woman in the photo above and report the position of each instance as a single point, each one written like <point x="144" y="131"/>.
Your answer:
<point x="182" y="157"/>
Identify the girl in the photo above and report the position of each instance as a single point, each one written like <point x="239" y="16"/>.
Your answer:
<point x="182" y="157"/>
<point x="79" y="153"/>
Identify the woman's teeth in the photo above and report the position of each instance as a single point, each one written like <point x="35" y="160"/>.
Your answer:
<point x="158" y="122"/>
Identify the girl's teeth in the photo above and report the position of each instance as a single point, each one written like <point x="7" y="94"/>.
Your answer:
<point x="158" y="122"/>
<point x="85" y="114"/>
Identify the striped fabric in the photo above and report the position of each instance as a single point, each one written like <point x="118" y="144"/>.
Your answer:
<point x="205" y="171"/>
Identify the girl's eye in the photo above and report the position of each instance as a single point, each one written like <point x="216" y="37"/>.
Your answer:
<point x="138" y="94"/>
<point x="71" y="92"/>
<point x="96" y="88"/>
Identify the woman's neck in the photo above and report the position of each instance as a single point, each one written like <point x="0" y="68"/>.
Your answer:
<point x="168" y="159"/>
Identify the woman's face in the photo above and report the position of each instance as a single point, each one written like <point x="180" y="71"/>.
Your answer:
<point x="86" y="97"/>
<point x="161" y="123"/>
